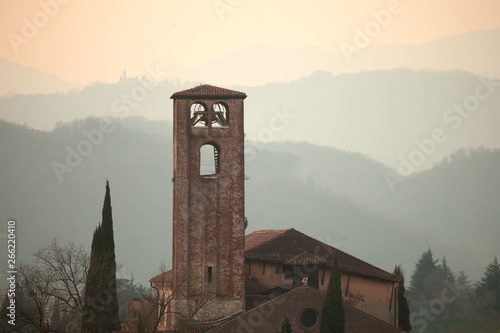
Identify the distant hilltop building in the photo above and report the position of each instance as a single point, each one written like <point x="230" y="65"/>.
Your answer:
<point x="225" y="281"/>
<point x="124" y="75"/>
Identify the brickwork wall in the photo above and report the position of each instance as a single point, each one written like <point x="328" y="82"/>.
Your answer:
<point x="209" y="212"/>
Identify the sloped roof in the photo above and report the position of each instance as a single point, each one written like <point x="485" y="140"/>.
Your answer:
<point x="291" y="305"/>
<point x="163" y="277"/>
<point x="305" y="259"/>
<point x="287" y="244"/>
<point x="260" y="237"/>
<point x="208" y="91"/>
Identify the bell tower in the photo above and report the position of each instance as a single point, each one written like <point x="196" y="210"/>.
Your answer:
<point x="209" y="203"/>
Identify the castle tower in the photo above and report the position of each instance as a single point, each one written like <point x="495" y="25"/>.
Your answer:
<point x="209" y="203"/>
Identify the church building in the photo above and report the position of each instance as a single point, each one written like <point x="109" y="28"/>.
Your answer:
<point x="225" y="281"/>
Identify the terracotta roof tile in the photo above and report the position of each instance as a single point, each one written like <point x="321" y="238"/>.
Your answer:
<point x="163" y="277"/>
<point x="208" y="91"/>
<point x="305" y="259"/>
<point x="260" y="237"/>
<point x="283" y="245"/>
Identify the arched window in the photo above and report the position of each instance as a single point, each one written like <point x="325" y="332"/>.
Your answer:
<point x="216" y="117"/>
<point x="209" y="159"/>
<point x="219" y="115"/>
<point x="199" y="115"/>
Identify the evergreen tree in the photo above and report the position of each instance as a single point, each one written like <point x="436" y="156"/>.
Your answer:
<point x="101" y="313"/>
<point x="463" y="283"/>
<point x="426" y="279"/>
<point x="333" y="314"/>
<point x="286" y="326"/>
<point x="447" y="272"/>
<point x="403" y="308"/>
<point x="490" y="283"/>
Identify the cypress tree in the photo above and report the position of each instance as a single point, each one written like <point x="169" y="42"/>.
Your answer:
<point x="333" y="314"/>
<point x="101" y="302"/>
<point x="403" y="308"/>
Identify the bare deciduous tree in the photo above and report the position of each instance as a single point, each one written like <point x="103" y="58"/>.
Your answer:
<point x="36" y="284"/>
<point x="70" y="264"/>
<point x="53" y="283"/>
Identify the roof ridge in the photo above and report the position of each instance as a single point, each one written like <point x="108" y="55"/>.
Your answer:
<point x="271" y="230"/>
<point x="207" y="90"/>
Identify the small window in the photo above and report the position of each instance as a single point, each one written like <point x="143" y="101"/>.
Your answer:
<point x="209" y="274"/>
<point x="209" y="159"/>
<point x="219" y="115"/>
<point x="308" y="318"/>
<point x="279" y="269"/>
<point x="199" y="115"/>
<point x="249" y="269"/>
<point x="264" y="269"/>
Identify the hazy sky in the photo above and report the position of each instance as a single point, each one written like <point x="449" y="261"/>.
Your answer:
<point x="93" y="40"/>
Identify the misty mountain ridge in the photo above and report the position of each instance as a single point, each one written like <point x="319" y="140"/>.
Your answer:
<point x="478" y="52"/>
<point x="333" y="195"/>
<point x="398" y="113"/>
<point x="18" y="79"/>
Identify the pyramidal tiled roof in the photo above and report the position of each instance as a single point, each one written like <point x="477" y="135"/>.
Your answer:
<point x="290" y="245"/>
<point x="206" y="90"/>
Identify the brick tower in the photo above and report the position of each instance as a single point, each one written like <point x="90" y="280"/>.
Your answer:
<point x="209" y="203"/>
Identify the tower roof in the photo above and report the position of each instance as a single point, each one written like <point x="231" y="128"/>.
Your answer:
<point x="208" y="91"/>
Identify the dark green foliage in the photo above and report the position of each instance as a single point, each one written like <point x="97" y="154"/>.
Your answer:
<point x="463" y="283"/>
<point x="490" y="283"/>
<point x="127" y="289"/>
<point x="101" y="313"/>
<point x="426" y="279"/>
<point x="286" y="326"/>
<point x="333" y="314"/>
<point x="403" y="308"/>
<point x="447" y="272"/>
<point x="139" y="155"/>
